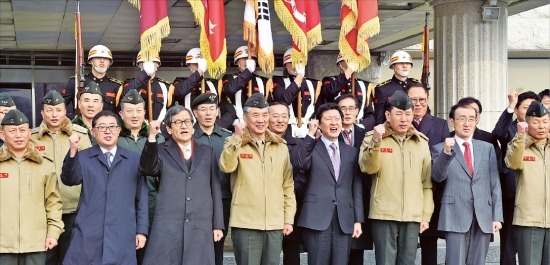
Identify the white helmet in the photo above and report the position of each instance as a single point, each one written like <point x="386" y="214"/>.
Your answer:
<point x="241" y="52"/>
<point x="287" y="57"/>
<point x="401" y="57"/>
<point x="100" y="51"/>
<point x="139" y="59"/>
<point x="339" y="58"/>
<point x="193" y="55"/>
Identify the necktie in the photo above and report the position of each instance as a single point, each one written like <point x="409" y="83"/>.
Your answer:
<point x="335" y="161"/>
<point x="416" y="124"/>
<point x="468" y="158"/>
<point x="108" y="157"/>
<point x="347" y="135"/>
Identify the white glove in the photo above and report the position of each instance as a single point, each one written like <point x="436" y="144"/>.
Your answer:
<point x="202" y="65"/>
<point x="300" y="70"/>
<point x="149" y="68"/>
<point x="353" y="67"/>
<point x="251" y="65"/>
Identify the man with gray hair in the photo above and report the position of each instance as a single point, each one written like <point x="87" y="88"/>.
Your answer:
<point x="263" y="201"/>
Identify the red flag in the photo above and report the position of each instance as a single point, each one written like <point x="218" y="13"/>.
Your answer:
<point x="302" y="19"/>
<point x="154" y="25"/>
<point x="359" y="20"/>
<point x="210" y="16"/>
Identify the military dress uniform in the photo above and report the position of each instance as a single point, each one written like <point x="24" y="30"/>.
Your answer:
<point x="383" y="92"/>
<point x="235" y="89"/>
<point x="285" y="90"/>
<point x="186" y="90"/>
<point x="111" y="90"/>
<point x="162" y="93"/>
<point x="334" y="86"/>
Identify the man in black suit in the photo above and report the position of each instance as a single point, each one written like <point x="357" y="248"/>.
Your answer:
<point x="504" y="131"/>
<point x="353" y="135"/>
<point x="436" y="129"/>
<point x="332" y="211"/>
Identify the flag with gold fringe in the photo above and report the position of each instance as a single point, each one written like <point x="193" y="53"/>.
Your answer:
<point x="210" y="16"/>
<point x="303" y="21"/>
<point x="154" y="25"/>
<point x="257" y="31"/>
<point x="359" y="20"/>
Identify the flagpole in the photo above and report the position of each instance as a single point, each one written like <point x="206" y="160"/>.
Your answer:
<point x="250" y="57"/>
<point x="353" y="84"/>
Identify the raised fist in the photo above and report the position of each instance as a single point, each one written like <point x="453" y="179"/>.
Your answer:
<point x="513" y="99"/>
<point x="522" y="127"/>
<point x="449" y="143"/>
<point x="379" y="130"/>
<point x="154" y="128"/>
<point x="313" y="126"/>
<point x="74" y="141"/>
<point x="239" y="129"/>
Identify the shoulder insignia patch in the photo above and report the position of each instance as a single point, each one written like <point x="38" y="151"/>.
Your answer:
<point x="163" y="80"/>
<point x="114" y="80"/>
<point x="384" y="83"/>
<point x="35" y="130"/>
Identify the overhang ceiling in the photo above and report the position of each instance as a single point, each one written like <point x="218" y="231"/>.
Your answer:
<point x="48" y="25"/>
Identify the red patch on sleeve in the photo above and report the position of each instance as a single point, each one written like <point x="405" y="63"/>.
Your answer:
<point x="386" y="150"/>
<point x="110" y="94"/>
<point x="326" y="83"/>
<point x="40" y="148"/>
<point x="307" y="93"/>
<point x="375" y="101"/>
<point x="529" y="158"/>
<point x="63" y="91"/>
<point x="246" y="156"/>
<point x="275" y="84"/>
<point x="4" y="175"/>
<point x="359" y="93"/>
<point x="160" y="95"/>
<point x="143" y="91"/>
<point x="256" y="89"/>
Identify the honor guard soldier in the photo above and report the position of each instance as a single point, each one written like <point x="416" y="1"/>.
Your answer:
<point x="52" y="137"/>
<point x="401" y="64"/>
<point x="187" y="89"/>
<point x="286" y="89"/>
<point x="6" y="104"/>
<point x="235" y="86"/>
<point x="100" y="57"/>
<point x="161" y="90"/>
<point x="334" y="86"/>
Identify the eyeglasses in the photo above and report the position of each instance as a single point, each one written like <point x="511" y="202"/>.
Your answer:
<point x="348" y="109"/>
<point x="464" y="120"/>
<point x="180" y="122"/>
<point x="204" y="110"/>
<point x="419" y="100"/>
<point x="104" y="128"/>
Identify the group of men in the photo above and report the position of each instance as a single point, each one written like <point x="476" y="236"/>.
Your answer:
<point x="308" y="164"/>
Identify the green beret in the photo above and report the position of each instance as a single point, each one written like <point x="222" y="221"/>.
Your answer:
<point x="257" y="100"/>
<point x="92" y="88"/>
<point x="205" y="98"/>
<point x="400" y="100"/>
<point x="14" y="117"/>
<point x="53" y="98"/>
<point x="536" y="109"/>
<point x="132" y="97"/>
<point x="6" y="100"/>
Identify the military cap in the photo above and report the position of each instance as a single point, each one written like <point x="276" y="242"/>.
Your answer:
<point x="205" y="98"/>
<point x="257" y="100"/>
<point x="14" y="117"/>
<point x="536" y="109"/>
<point x="132" y="97"/>
<point x="53" y="98"/>
<point x="6" y="100"/>
<point x="92" y="88"/>
<point x="400" y="100"/>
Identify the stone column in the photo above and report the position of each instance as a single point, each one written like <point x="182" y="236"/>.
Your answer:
<point x="471" y="57"/>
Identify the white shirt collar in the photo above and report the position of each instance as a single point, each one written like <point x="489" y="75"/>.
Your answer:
<point x="113" y="151"/>
<point x="327" y="143"/>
